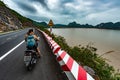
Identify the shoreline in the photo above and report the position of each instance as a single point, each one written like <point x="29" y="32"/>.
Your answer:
<point x="81" y="28"/>
<point x="111" y="58"/>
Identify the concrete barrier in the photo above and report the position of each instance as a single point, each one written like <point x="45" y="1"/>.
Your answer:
<point x="68" y="64"/>
<point x="72" y="69"/>
<point x="54" y="46"/>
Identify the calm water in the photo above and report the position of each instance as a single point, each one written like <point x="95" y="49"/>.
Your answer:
<point x="103" y="40"/>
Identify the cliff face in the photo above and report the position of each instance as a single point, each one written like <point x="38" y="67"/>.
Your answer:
<point x="8" y="21"/>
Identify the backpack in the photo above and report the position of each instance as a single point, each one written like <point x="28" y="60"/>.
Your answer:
<point x="30" y="41"/>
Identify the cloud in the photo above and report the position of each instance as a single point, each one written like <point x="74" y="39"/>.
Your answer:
<point x="109" y="15"/>
<point x="26" y="7"/>
<point x="42" y="2"/>
<point x="65" y="11"/>
<point x="38" y="18"/>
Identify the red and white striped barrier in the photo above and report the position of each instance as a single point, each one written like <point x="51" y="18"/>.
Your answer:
<point x="68" y="64"/>
<point x="54" y="46"/>
<point x="72" y="69"/>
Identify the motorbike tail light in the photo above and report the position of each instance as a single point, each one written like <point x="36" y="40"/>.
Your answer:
<point x="27" y="54"/>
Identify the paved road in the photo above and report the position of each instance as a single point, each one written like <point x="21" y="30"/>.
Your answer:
<point x="12" y="66"/>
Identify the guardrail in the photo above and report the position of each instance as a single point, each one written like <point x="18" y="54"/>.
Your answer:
<point x="71" y="68"/>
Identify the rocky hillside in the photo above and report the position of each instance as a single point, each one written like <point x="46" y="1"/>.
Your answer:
<point x="8" y="21"/>
<point x="11" y="20"/>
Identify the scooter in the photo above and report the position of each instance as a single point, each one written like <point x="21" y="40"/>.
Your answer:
<point x="30" y="59"/>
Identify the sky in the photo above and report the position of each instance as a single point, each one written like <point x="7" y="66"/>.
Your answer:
<point x="66" y="11"/>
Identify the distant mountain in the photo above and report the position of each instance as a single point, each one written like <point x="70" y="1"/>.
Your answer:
<point x="59" y="26"/>
<point x="109" y="25"/>
<point x="76" y="25"/>
<point x="73" y="25"/>
<point x="42" y="24"/>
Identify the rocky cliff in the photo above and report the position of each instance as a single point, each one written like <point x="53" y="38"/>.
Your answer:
<point x="8" y="21"/>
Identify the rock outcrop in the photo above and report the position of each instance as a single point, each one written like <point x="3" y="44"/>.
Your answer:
<point x="8" y="21"/>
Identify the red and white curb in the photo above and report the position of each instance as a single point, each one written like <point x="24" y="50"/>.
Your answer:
<point x="68" y="64"/>
<point x="72" y="69"/>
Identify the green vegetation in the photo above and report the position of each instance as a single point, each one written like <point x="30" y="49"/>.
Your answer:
<point x="43" y="24"/>
<point x="87" y="56"/>
<point x="1" y="3"/>
<point x="20" y="17"/>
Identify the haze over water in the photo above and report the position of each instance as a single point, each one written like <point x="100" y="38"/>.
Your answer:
<point x="103" y="40"/>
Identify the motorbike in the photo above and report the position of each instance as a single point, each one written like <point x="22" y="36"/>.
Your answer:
<point x="30" y="59"/>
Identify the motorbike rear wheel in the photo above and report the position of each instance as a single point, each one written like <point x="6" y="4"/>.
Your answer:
<point x="29" y="67"/>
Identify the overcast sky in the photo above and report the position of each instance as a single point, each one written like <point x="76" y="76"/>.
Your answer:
<point x="65" y="11"/>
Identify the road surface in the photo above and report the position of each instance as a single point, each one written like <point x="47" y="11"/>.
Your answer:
<point x="12" y="66"/>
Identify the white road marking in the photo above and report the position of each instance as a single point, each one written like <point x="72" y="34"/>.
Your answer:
<point x="2" y="57"/>
<point x="9" y="38"/>
<point x="15" y="36"/>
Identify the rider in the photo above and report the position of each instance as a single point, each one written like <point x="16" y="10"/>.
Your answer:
<point x="31" y="33"/>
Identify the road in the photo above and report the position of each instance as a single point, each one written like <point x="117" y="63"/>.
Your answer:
<point x="12" y="66"/>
